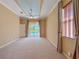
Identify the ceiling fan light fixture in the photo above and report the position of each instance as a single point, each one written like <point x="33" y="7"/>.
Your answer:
<point x="30" y="11"/>
<point x="34" y="17"/>
<point x="21" y="12"/>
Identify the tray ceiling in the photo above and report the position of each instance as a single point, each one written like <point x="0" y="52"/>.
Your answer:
<point x="30" y="8"/>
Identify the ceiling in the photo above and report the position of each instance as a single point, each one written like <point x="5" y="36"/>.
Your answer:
<point x="30" y="8"/>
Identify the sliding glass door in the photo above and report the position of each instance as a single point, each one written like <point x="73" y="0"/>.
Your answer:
<point x="34" y="29"/>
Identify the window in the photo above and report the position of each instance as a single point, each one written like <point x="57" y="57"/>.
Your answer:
<point x="67" y="21"/>
<point x="34" y="29"/>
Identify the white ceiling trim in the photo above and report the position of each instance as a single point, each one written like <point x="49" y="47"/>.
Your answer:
<point x="8" y="7"/>
<point x="15" y="9"/>
<point x="18" y="3"/>
<point x="53" y="7"/>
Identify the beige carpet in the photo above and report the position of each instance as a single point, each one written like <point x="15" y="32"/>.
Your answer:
<point x="30" y="49"/>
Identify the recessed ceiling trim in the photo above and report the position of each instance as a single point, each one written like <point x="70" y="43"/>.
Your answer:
<point x="53" y="7"/>
<point x="8" y="7"/>
<point x="25" y="6"/>
<point x="41" y="4"/>
<point x="43" y="8"/>
<point x="20" y="7"/>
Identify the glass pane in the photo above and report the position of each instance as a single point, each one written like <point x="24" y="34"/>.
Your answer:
<point x="63" y="29"/>
<point x="67" y="29"/>
<point x="72" y="30"/>
<point x="67" y="21"/>
<point x="34" y="29"/>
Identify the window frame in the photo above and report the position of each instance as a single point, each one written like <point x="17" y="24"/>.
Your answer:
<point x="68" y="23"/>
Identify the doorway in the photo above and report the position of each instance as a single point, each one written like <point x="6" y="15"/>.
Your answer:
<point x="34" y="29"/>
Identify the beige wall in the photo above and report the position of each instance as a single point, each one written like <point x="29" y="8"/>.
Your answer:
<point x="9" y="26"/>
<point x="68" y="46"/>
<point x="23" y="27"/>
<point x="65" y="2"/>
<point x="43" y="28"/>
<point x="22" y="30"/>
<point x="52" y="27"/>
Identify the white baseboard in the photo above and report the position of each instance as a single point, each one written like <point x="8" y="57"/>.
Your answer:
<point x="66" y="55"/>
<point x="8" y="43"/>
<point x="52" y="43"/>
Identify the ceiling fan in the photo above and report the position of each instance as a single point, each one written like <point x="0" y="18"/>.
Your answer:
<point x="30" y="12"/>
